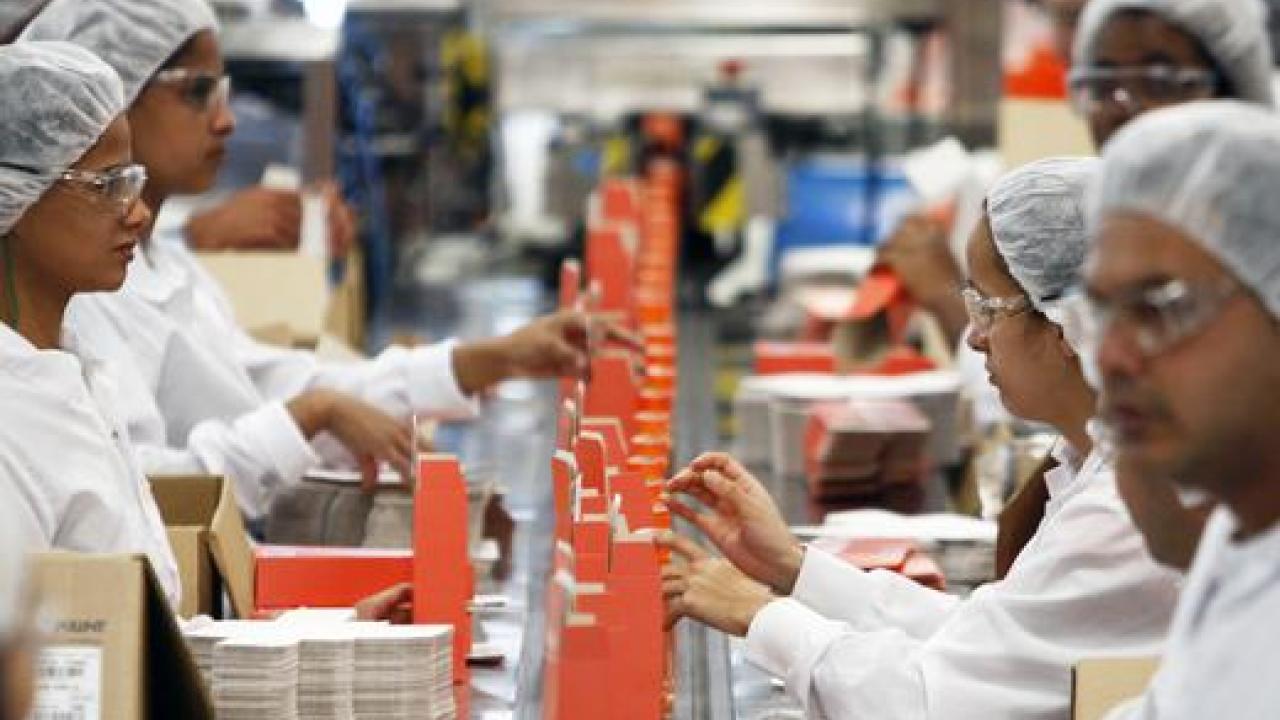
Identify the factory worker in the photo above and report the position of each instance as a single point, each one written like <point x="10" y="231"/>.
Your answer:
<point x="853" y="644"/>
<point x="18" y="642"/>
<point x="1184" y="287"/>
<point x="70" y="219"/>
<point x="219" y="401"/>
<point x="1132" y="56"/>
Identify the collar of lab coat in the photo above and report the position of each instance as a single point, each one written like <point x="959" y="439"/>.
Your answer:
<point x="62" y="371"/>
<point x="1260" y="550"/>
<point x="1070" y="464"/>
<point x="153" y="277"/>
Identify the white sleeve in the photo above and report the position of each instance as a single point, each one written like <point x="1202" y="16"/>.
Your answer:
<point x="260" y="451"/>
<point x="838" y="590"/>
<point x="400" y="381"/>
<point x="835" y="671"/>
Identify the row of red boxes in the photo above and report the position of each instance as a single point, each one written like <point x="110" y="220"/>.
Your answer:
<point x="608" y="654"/>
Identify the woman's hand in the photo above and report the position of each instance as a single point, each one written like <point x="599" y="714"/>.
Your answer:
<point x="709" y="590"/>
<point x="741" y="519"/>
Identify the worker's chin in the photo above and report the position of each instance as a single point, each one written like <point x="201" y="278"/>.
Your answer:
<point x="1148" y="457"/>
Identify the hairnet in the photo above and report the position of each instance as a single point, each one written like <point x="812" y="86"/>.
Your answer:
<point x="1233" y="32"/>
<point x="1037" y="217"/>
<point x="57" y="100"/>
<point x="1210" y="170"/>
<point x="136" y="37"/>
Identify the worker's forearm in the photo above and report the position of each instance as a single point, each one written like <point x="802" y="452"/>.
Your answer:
<point x="478" y="366"/>
<point x="311" y="411"/>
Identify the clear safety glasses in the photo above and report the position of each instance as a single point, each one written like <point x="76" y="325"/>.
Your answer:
<point x="1134" y="89"/>
<point x="202" y="91"/>
<point x="984" y="312"/>
<point x="1155" y="319"/>
<point x="120" y="187"/>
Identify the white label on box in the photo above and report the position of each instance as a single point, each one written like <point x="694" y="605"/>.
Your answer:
<point x="69" y="684"/>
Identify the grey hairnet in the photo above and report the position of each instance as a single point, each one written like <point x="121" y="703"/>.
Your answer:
<point x="1037" y="217"/>
<point x="56" y="100"/>
<point x="1233" y="32"/>
<point x="136" y="37"/>
<point x="1210" y="170"/>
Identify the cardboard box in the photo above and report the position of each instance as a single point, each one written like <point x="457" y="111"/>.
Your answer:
<point x="269" y="289"/>
<point x="209" y="542"/>
<point x="1101" y="685"/>
<point x="115" y="651"/>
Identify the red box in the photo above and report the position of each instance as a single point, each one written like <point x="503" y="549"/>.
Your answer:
<point x="290" y="577"/>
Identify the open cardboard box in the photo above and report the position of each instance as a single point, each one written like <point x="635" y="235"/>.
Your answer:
<point x="284" y="298"/>
<point x="1099" y="686"/>
<point x="274" y="289"/>
<point x="114" y="650"/>
<point x="209" y="541"/>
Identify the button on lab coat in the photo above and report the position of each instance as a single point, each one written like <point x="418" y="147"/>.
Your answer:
<point x="67" y="471"/>
<point x="205" y="397"/>
<point x="1224" y="648"/>
<point x="852" y="644"/>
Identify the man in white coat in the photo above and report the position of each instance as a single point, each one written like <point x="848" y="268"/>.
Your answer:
<point x="1184" y="291"/>
<point x="204" y="396"/>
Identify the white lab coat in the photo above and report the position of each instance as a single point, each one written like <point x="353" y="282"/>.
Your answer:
<point x="68" y="476"/>
<point x="214" y="397"/>
<point x="1224" y="647"/>
<point x="852" y="644"/>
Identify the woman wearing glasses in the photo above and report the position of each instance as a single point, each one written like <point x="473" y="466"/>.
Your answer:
<point x="70" y="221"/>
<point x="1132" y="56"/>
<point x="875" y="645"/>
<point x="206" y="396"/>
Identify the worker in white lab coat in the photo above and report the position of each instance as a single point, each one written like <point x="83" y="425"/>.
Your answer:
<point x="852" y="644"/>
<point x="70" y="219"/>
<point x="220" y="401"/>
<point x="1183" y="284"/>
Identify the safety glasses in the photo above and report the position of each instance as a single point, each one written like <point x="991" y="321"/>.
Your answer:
<point x="1156" y="318"/>
<point x="984" y="312"/>
<point x="201" y="90"/>
<point x="120" y="187"/>
<point x="1134" y="89"/>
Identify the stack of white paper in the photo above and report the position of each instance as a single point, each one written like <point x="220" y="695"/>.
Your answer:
<point x="256" y="678"/>
<point x="326" y="673"/>
<point x="403" y="672"/>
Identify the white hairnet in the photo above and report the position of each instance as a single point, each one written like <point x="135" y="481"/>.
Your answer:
<point x="1209" y="169"/>
<point x="1233" y="32"/>
<point x="57" y="100"/>
<point x="1037" y="217"/>
<point x="136" y="37"/>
